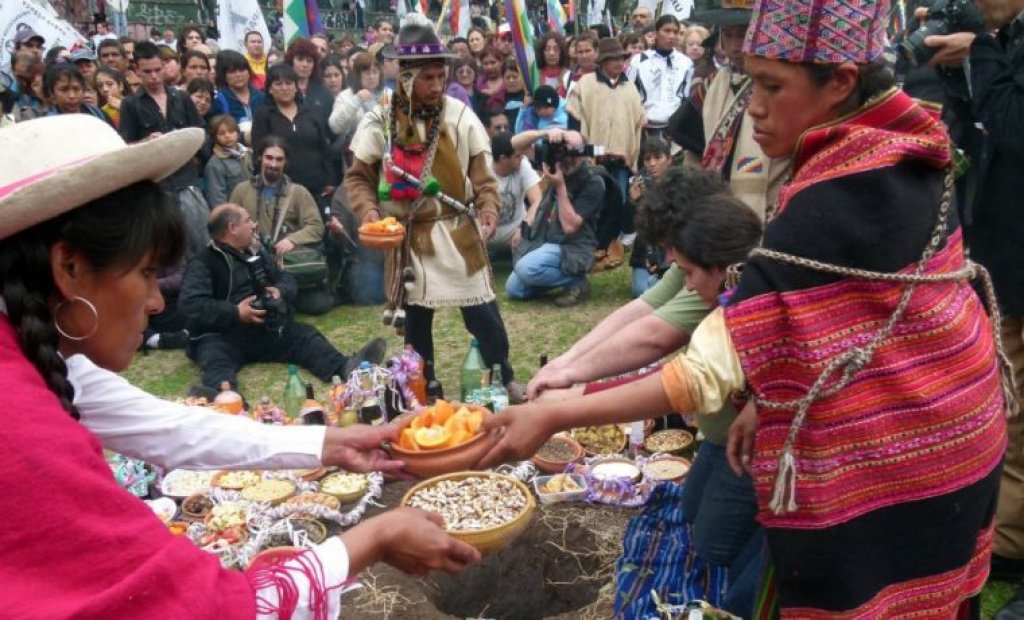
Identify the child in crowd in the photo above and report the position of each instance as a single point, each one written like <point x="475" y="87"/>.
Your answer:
<point x="648" y="261"/>
<point x="231" y="162"/>
<point x="64" y="87"/>
<point x="112" y="86"/>
<point x="546" y="110"/>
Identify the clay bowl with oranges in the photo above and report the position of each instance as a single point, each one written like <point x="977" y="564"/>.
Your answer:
<point x="442" y="438"/>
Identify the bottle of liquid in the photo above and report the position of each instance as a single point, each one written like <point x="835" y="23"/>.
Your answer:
<point x="335" y="401"/>
<point x="417" y="381"/>
<point x="482" y="395"/>
<point x="435" y="390"/>
<point x="394" y="402"/>
<point x="294" y="393"/>
<point x="370" y="411"/>
<point x="499" y="393"/>
<point x="473" y="367"/>
<point x="312" y="411"/>
<point x="228" y="400"/>
<point x="636" y="438"/>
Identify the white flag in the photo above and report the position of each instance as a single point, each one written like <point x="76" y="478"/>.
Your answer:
<point x="39" y="16"/>
<point x="401" y="8"/>
<point x="680" y="8"/>
<point x="237" y="17"/>
<point x="595" y="12"/>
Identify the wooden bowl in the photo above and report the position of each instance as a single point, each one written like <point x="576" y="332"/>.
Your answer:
<point x="377" y="241"/>
<point x="489" y="539"/>
<point x="557" y="467"/>
<point x="195" y="507"/>
<point x="671" y="441"/>
<point x="427" y="463"/>
<point x="259" y="492"/>
<point x="620" y="447"/>
<point x="345" y="497"/>
<point x="652" y="475"/>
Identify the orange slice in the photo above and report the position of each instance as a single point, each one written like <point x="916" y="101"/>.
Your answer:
<point x="407" y="439"/>
<point x="460" y="437"/>
<point x="432" y="437"/>
<point x="442" y="411"/>
<point x="423" y="420"/>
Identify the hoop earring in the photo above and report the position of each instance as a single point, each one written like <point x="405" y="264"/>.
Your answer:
<point x="90" y="306"/>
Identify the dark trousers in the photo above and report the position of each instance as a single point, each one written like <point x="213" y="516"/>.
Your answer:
<point x="221" y="356"/>
<point x="483" y="321"/>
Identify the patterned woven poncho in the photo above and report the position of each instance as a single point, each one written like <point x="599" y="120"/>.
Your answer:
<point x="897" y="472"/>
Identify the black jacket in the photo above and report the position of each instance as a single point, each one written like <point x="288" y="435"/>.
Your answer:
<point x="586" y="193"/>
<point x="216" y="280"/>
<point x="141" y="117"/>
<point x="308" y="143"/>
<point x="995" y="216"/>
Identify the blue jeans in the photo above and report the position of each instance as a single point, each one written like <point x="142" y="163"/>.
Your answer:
<point x="642" y="280"/>
<point x="537" y="272"/>
<point x="722" y="508"/>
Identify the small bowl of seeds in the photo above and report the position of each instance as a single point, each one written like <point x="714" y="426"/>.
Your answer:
<point x="556" y="454"/>
<point x="671" y="441"/>
<point x="485" y="509"/>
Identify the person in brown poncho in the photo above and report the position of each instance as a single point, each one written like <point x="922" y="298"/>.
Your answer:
<point x="438" y="141"/>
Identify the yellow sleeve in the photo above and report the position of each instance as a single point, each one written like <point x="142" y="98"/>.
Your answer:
<point x="702" y="379"/>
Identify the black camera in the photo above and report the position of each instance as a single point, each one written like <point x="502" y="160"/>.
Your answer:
<point x="274" y="319"/>
<point x="551" y="153"/>
<point x="944" y="17"/>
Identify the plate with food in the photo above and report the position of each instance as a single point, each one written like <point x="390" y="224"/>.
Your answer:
<point x="236" y="480"/>
<point x="345" y="486"/>
<point x="271" y="491"/>
<point x="165" y="508"/>
<point x="606" y="439"/>
<point x="670" y="440"/>
<point x="181" y="483"/>
<point x="559" y="488"/>
<point x="667" y="469"/>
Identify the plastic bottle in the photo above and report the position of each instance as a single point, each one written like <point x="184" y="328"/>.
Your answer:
<point x="499" y="393"/>
<point x="312" y="411"/>
<point x="335" y="404"/>
<point x="228" y="400"/>
<point x="294" y="393"/>
<point x="473" y="367"/>
<point x="482" y="395"/>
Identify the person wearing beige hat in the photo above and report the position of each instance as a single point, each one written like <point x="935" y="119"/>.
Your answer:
<point x="83" y="229"/>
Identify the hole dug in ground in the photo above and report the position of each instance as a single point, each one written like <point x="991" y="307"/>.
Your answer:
<point x="557" y="566"/>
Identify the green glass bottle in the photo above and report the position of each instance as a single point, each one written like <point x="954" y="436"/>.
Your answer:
<point x="294" y="393"/>
<point x="473" y="367"/>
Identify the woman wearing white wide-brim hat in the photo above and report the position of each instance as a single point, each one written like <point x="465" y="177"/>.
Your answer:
<point x="83" y="230"/>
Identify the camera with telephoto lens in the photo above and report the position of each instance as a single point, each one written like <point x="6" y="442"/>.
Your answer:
<point x="551" y="153"/>
<point x="944" y="17"/>
<point x="274" y="319"/>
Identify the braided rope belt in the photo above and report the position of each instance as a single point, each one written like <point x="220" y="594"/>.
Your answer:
<point x="850" y="362"/>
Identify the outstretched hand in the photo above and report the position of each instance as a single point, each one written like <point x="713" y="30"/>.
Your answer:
<point x="415" y="543"/>
<point x="523" y="429"/>
<point x="357" y="448"/>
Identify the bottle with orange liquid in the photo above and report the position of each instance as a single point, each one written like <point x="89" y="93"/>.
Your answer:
<point x="228" y="400"/>
<point x="312" y="412"/>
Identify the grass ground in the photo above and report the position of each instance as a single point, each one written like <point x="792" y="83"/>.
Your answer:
<point x="534" y="328"/>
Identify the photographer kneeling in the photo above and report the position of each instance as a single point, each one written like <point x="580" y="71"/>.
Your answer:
<point x="558" y="236"/>
<point x="235" y="302"/>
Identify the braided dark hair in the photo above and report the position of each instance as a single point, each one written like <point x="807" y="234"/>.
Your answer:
<point x="114" y="232"/>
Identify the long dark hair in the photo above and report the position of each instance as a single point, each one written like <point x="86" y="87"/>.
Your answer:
<point x="114" y="232"/>
<point x="228" y="61"/>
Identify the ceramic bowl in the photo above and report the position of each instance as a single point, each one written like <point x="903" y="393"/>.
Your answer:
<point x="658" y="474"/>
<point x="556" y="467"/>
<point x="493" y="538"/>
<point x="427" y="463"/>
